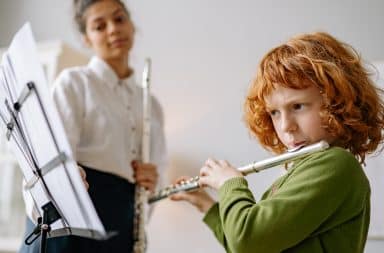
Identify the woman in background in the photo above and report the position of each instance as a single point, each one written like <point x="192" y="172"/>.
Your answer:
<point x="101" y="108"/>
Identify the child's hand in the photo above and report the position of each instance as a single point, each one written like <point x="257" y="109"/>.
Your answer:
<point x="145" y="175"/>
<point x="83" y="176"/>
<point x="199" y="198"/>
<point x="214" y="173"/>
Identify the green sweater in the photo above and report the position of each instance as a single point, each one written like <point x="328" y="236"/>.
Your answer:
<point x="322" y="204"/>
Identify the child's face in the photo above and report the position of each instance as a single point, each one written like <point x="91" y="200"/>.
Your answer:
<point x="109" y="30"/>
<point x="296" y="115"/>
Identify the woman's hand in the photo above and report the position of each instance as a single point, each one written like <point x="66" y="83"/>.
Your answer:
<point x="199" y="198"/>
<point x="83" y="176"/>
<point x="145" y="175"/>
<point x="215" y="173"/>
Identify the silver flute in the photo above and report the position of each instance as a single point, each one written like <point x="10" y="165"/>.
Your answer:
<point x="291" y="155"/>
<point x="141" y="196"/>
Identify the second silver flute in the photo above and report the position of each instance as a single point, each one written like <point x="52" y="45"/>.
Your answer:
<point x="193" y="183"/>
<point x="140" y="192"/>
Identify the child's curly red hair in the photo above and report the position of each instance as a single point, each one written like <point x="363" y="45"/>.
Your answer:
<point x="353" y="111"/>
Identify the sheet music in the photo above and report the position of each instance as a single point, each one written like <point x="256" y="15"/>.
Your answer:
<point x="38" y="137"/>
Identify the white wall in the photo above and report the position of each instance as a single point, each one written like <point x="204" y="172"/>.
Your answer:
<point x="204" y="54"/>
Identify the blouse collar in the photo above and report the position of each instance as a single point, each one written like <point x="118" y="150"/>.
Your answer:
<point x="105" y="72"/>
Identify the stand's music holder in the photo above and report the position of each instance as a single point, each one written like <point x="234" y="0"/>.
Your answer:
<point x="50" y="213"/>
<point x="57" y="190"/>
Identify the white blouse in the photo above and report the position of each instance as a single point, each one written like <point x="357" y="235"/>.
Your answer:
<point x="102" y="117"/>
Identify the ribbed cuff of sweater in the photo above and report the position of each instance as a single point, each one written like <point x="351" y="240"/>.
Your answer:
<point x="230" y="184"/>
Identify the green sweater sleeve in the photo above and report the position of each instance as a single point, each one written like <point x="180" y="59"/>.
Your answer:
<point x="212" y="220"/>
<point x="308" y="196"/>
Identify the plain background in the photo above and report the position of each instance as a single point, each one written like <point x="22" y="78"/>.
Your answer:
<point x="204" y="53"/>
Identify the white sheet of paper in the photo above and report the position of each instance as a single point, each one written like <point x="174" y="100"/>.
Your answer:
<point x="64" y="182"/>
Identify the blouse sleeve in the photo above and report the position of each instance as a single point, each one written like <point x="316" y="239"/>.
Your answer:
<point x="68" y="97"/>
<point x="158" y="154"/>
<point x="158" y="142"/>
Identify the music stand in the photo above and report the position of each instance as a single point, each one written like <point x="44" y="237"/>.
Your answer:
<point x="36" y="134"/>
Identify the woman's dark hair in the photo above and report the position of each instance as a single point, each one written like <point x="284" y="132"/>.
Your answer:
<point x="80" y="6"/>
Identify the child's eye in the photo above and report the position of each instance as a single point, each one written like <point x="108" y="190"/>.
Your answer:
<point x="273" y="113"/>
<point x="298" y="106"/>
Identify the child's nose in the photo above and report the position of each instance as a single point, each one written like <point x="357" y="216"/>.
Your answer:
<point x="288" y="123"/>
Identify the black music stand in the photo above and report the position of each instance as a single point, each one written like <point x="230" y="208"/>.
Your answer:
<point x="36" y="134"/>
